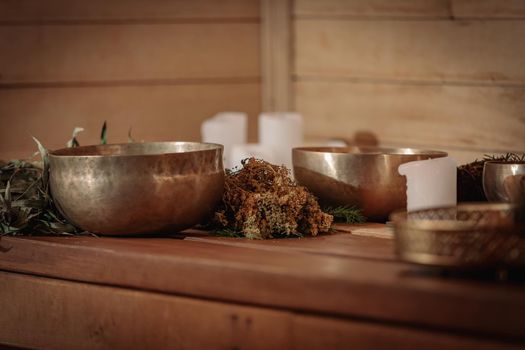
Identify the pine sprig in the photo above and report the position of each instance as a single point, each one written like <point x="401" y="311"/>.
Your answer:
<point x="346" y="214"/>
<point x="227" y="232"/>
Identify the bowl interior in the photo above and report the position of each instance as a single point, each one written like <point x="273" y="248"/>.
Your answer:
<point x="372" y="151"/>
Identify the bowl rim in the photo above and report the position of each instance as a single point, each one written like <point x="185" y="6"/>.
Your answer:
<point x="503" y="162"/>
<point x="371" y="151"/>
<point x="58" y="153"/>
<point x="400" y="218"/>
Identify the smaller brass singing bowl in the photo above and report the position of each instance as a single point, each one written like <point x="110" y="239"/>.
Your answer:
<point x="137" y="188"/>
<point x="504" y="181"/>
<point x="466" y="236"/>
<point x="365" y="177"/>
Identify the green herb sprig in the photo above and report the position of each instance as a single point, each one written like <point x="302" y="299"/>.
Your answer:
<point x="26" y="206"/>
<point x="346" y="214"/>
<point x="227" y="232"/>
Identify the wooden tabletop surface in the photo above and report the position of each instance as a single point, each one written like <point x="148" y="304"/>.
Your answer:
<point x="352" y="274"/>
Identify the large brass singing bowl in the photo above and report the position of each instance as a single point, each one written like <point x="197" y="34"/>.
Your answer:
<point x="363" y="177"/>
<point x="137" y="188"/>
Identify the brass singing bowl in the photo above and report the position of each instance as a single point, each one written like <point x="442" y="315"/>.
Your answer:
<point x="137" y="188"/>
<point x="365" y="177"/>
<point x="504" y="181"/>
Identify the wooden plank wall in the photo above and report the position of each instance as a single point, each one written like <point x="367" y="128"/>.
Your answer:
<point x="159" y="67"/>
<point x="444" y="74"/>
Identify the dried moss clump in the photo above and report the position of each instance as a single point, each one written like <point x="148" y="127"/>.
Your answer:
<point x="262" y="201"/>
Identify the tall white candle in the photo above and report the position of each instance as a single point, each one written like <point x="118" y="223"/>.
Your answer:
<point x="281" y="131"/>
<point x="227" y="129"/>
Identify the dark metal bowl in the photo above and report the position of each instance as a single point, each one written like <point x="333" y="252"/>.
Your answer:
<point x="137" y="188"/>
<point x="357" y="176"/>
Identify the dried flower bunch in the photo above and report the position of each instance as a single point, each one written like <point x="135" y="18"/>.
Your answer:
<point x="262" y="201"/>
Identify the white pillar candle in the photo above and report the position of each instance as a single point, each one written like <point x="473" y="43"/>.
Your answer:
<point x="281" y="131"/>
<point x="227" y="129"/>
<point x="430" y="183"/>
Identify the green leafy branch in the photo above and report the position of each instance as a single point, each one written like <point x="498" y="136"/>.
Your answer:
<point x="346" y="214"/>
<point x="26" y="206"/>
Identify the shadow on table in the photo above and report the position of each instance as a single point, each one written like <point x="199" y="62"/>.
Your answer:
<point x="515" y="276"/>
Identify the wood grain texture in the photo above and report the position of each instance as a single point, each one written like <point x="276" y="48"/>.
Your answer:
<point x="154" y="113"/>
<point x="481" y="119"/>
<point x="85" y="53"/>
<point x="473" y="52"/>
<point x="361" y="242"/>
<point x="45" y="313"/>
<point x="337" y="334"/>
<point x="276" y="55"/>
<point x="383" y="291"/>
<point x="49" y="314"/>
<point x="372" y="8"/>
<point x="508" y="9"/>
<point x="14" y="11"/>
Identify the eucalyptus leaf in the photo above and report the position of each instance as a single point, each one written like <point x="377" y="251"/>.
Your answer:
<point x="41" y="149"/>
<point x="45" y="158"/>
<point x="74" y="142"/>
<point x="7" y="194"/>
<point x="29" y="203"/>
<point x="103" y="134"/>
<point x="20" y="220"/>
<point x="4" y="203"/>
<point x="7" y="229"/>
<point x="130" y="138"/>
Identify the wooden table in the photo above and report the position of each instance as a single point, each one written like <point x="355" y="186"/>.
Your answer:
<point x="344" y="290"/>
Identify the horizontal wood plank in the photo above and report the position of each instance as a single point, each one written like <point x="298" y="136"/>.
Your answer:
<point x="473" y="52"/>
<point x="86" y="53"/>
<point x="372" y="8"/>
<point x="292" y="280"/>
<point x="50" y="314"/>
<point x="337" y="334"/>
<point x="478" y="119"/>
<point x="35" y="310"/>
<point x="488" y="9"/>
<point x="351" y="245"/>
<point x="154" y="113"/>
<point x="75" y="10"/>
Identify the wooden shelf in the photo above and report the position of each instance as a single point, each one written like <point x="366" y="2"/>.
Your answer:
<point x="346" y="278"/>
